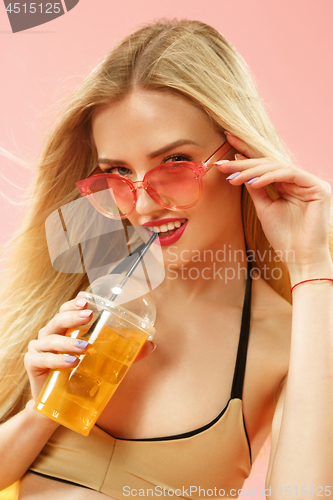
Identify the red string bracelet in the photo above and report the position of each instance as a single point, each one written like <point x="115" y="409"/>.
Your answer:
<point x="306" y="281"/>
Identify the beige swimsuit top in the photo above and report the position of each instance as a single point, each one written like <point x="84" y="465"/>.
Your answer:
<point x="208" y="462"/>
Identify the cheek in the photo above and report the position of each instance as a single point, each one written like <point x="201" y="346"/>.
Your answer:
<point x="133" y="219"/>
<point x="220" y="204"/>
<point x="217" y="193"/>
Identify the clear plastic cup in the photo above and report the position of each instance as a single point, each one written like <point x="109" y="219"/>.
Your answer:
<point x="75" y="398"/>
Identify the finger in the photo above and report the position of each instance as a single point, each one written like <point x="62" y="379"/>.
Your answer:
<point x="261" y="199"/>
<point x="251" y="171"/>
<point x="245" y="164"/>
<point x="241" y="146"/>
<point x="299" y="194"/>
<point x="37" y="363"/>
<point x="58" y="343"/>
<point x="147" y="348"/>
<point x="64" y="320"/>
<point x="292" y="175"/>
<point x="285" y="190"/>
<point x="306" y="185"/>
<point x="74" y="305"/>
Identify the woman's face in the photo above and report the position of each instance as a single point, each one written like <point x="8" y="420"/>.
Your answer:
<point x="141" y="132"/>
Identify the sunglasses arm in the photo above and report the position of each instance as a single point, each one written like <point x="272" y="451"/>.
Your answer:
<point x="217" y="155"/>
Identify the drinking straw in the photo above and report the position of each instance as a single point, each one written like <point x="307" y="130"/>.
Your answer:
<point x="133" y="267"/>
<point x="104" y="314"/>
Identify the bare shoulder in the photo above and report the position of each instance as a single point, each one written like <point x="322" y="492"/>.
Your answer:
<point x="271" y="316"/>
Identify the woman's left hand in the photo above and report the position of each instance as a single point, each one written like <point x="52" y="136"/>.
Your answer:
<point x="298" y="220"/>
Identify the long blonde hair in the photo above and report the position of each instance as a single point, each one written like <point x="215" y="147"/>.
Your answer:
<point x="188" y="57"/>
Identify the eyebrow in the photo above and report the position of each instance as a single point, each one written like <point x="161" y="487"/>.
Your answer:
<point x="154" y="154"/>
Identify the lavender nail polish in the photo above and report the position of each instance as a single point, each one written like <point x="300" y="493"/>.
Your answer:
<point x="81" y="343"/>
<point x="70" y="359"/>
<point x="232" y="176"/>
<point x="252" y="180"/>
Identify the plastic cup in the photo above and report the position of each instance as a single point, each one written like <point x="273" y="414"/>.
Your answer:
<point x="75" y="398"/>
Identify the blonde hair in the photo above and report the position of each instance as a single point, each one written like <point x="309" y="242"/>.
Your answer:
<point x="188" y="57"/>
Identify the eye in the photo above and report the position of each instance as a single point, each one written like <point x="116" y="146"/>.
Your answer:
<point x="117" y="170"/>
<point x="177" y="157"/>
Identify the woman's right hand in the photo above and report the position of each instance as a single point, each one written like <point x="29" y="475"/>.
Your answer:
<point x="42" y="354"/>
<point x="23" y="436"/>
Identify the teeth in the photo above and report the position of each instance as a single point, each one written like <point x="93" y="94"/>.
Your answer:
<point x="167" y="227"/>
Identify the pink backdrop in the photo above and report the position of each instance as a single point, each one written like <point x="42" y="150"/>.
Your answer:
<point x="286" y="43"/>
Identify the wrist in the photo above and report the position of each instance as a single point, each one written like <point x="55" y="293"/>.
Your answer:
<point x="304" y="271"/>
<point x="39" y="417"/>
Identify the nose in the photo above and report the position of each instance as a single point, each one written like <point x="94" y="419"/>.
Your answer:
<point x="145" y="204"/>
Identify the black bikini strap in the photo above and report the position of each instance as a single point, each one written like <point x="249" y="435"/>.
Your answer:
<point x="237" y="384"/>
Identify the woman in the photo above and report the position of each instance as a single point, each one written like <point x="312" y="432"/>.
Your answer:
<point x="185" y="417"/>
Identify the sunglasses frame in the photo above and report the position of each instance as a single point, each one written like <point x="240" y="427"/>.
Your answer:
<point x="199" y="168"/>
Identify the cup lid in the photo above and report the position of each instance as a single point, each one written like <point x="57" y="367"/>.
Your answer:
<point x="131" y="302"/>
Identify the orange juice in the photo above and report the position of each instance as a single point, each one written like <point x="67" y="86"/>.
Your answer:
<point x="75" y="398"/>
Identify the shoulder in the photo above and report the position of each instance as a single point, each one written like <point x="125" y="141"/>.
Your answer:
<point x="267" y="360"/>
<point x="271" y="320"/>
<point x="272" y="316"/>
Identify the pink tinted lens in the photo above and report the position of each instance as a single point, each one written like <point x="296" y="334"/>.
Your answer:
<point x="175" y="185"/>
<point x="112" y="194"/>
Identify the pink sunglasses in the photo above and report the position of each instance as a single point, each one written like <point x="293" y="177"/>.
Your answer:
<point x="174" y="185"/>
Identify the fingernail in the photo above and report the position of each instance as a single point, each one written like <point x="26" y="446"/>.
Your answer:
<point x="70" y="359"/>
<point x="154" y="347"/>
<point x="81" y="303"/>
<point x="227" y="133"/>
<point x="85" y="314"/>
<point x="252" y="180"/>
<point x="222" y="162"/>
<point x="81" y="343"/>
<point x="238" y="157"/>
<point x="232" y="176"/>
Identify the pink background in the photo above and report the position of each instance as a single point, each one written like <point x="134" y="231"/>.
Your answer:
<point x="286" y="43"/>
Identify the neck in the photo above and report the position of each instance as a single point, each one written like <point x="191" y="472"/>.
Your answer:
<point x="218" y="273"/>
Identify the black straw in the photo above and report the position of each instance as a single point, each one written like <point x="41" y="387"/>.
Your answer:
<point x="134" y="266"/>
<point x="123" y="282"/>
